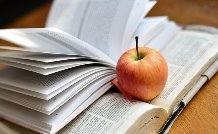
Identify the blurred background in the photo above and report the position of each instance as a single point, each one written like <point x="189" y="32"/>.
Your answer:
<point x="33" y="13"/>
<point x="203" y="12"/>
<point x="13" y="10"/>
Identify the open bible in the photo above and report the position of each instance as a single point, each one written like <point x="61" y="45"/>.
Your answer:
<point x="191" y="53"/>
<point x="51" y="80"/>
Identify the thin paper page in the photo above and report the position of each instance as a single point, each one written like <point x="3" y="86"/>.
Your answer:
<point x="28" y="38"/>
<point x="93" y="81"/>
<point x="83" y="18"/>
<point x="202" y="28"/>
<point x="107" y="115"/>
<point x="109" y="112"/>
<point x="48" y="71"/>
<point x="77" y="101"/>
<point x="46" y="123"/>
<point x="45" y="57"/>
<point x="209" y="73"/>
<point x="148" y="29"/>
<point x="20" y="53"/>
<point x="188" y="56"/>
<point x="97" y="22"/>
<point x="164" y="37"/>
<point x="42" y="84"/>
<point x="139" y="10"/>
<point x="51" y="40"/>
<point x="44" y="65"/>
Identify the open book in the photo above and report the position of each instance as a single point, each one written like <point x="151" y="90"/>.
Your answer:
<point x="192" y="56"/>
<point x="51" y="77"/>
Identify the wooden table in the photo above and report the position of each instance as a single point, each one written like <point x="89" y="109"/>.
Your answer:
<point x="201" y="114"/>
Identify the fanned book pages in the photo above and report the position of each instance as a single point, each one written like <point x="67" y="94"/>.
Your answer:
<point x="58" y="79"/>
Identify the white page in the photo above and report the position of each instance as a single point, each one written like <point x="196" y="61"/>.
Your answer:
<point x="81" y="108"/>
<point x="72" y="105"/>
<point x="44" y="60"/>
<point x="22" y="116"/>
<point x="164" y="37"/>
<point x="48" y="71"/>
<point x="143" y="7"/>
<point x="51" y="40"/>
<point x="148" y="29"/>
<point x="188" y="55"/>
<point x="211" y="71"/>
<point x="43" y="86"/>
<point x="29" y="38"/>
<point x="20" y="53"/>
<point x="43" y="65"/>
<point x="112" y="113"/>
<point x="202" y="28"/>
<point x="207" y="75"/>
<point x="47" y="123"/>
<point x="94" y="81"/>
<point x="98" y="22"/>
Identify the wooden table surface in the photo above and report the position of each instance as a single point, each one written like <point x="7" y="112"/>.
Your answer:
<point x="201" y="114"/>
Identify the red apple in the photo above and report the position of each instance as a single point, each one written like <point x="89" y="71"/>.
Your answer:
<point x="144" y="76"/>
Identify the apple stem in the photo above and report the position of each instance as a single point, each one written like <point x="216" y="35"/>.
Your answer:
<point x="137" y="48"/>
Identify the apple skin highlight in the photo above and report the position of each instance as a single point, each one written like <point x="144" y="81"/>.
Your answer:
<point x="142" y="78"/>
